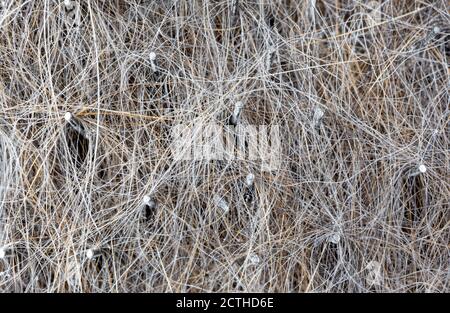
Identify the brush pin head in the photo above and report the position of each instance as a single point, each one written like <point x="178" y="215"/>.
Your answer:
<point x="250" y="179"/>
<point x="89" y="254"/>
<point x="422" y="168"/>
<point x="68" y="116"/>
<point x="334" y="238"/>
<point x="149" y="202"/>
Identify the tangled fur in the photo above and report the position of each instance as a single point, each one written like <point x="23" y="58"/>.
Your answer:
<point x="96" y="203"/>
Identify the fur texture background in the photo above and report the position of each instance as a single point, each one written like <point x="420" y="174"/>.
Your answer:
<point x="347" y="211"/>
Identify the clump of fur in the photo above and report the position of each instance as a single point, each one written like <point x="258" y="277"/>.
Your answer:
<point x="360" y="93"/>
